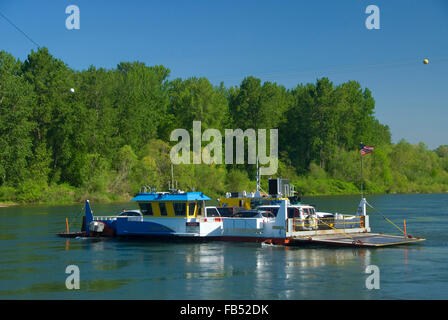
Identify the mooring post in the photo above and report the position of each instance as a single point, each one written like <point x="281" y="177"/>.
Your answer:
<point x="404" y="222"/>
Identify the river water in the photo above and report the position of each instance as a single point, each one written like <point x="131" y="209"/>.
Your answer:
<point x="33" y="259"/>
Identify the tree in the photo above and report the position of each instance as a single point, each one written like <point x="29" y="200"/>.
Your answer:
<point x="142" y="101"/>
<point x="16" y="100"/>
<point x="196" y="99"/>
<point x="52" y="112"/>
<point x="257" y="106"/>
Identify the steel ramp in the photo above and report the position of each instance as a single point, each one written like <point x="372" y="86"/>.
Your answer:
<point x="357" y="240"/>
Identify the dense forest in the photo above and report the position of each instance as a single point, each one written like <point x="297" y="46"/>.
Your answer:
<point x="111" y="134"/>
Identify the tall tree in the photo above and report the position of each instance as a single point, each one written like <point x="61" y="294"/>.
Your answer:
<point x="53" y="113"/>
<point x="196" y="99"/>
<point x="16" y="101"/>
<point x="142" y="101"/>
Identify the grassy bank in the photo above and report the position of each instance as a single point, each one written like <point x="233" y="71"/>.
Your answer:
<point x="9" y="204"/>
<point x="322" y="187"/>
<point x="54" y="194"/>
<point x="306" y="186"/>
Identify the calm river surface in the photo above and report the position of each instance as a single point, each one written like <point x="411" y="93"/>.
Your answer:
<point x="33" y="259"/>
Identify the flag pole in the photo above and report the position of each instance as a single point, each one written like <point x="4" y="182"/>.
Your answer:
<point x="362" y="191"/>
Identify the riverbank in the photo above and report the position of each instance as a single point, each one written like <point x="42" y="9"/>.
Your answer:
<point x="55" y="194"/>
<point x="312" y="186"/>
<point x="9" y="204"/>
<point x="305" y="188"/>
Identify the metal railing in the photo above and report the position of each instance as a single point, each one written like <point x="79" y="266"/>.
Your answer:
<point x="329" y="223"/>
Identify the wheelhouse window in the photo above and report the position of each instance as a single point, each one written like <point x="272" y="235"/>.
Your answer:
<point x="199" y="212"/>
<point x="180" y="209"/>
<point x="191" y="207"/>
<point x="162" y="208"/>
<point x="146" y="209"/>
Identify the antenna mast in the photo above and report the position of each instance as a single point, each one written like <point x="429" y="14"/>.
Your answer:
<point x="258" y="177"/>
<point x="172" y="177"/>
<point x="362" y="191"/>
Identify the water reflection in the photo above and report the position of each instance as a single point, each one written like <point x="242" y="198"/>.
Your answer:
<point x="251" y="271"/>
<point x="208" y="261"/>
<point x="282" y="272"/>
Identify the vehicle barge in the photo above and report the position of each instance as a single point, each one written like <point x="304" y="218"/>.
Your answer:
<point x="278" y="218"/>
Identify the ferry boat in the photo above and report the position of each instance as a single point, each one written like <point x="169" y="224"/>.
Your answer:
<point x="277" y="218"/>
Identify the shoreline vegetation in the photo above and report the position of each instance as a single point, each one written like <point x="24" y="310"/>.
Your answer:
<point x="114" y="199"/>
<point x="4" y="205"/>
<point x="105" y="198"/>
<point x="102" y="134"/>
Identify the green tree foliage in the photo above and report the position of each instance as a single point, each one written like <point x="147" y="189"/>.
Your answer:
<point x="142" y="101"/>
<point x="196" y="99"/>
<point x="110" y="135"/>
<point x="16" y="101"/>
<point x="257" y="106"/>
<point x="325" y="119"/>
<point x="237" y="181"/>
<point x="52" y="113"/>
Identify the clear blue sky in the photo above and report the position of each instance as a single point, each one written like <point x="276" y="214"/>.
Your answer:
<point x="288" y="42"/>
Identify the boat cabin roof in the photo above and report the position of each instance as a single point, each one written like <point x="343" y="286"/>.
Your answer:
<point x="163" y="196"/>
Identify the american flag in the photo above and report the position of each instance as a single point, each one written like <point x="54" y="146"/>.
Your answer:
<point x="366" y="149"/>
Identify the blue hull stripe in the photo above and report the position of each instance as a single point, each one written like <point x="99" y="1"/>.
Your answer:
<point x="125" y="227"/>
